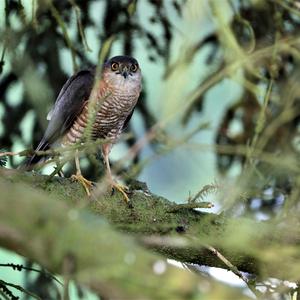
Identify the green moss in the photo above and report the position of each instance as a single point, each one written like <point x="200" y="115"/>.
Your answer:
<point x="149" y="215"/>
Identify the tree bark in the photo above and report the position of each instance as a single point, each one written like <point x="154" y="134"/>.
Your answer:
<point x="51" y="221"/>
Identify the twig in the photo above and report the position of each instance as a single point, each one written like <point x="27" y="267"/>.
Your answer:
<point x="2" y="294"/>
<point x="62" y="25"/>
<point x="105" y="49"/>
<point x="19" y="288"/>
<point x="231" y="68"/>
<point x="22" y="12"/>
<point x="33" y="13"/>
<point x="58" y="168"/>
<point x="60" y="150"/>
<point x="2" y="62"/>
<point x="11" y="153"/>
<point x="19" y="267"/>
<point x="177" y="207"/>
<point x="7" y="292"/>
<point x="260" y="123"/>
<point x="79" y="25"/>
<point x="131" y="8"/>
<point x="69" y="268"/>
<point x="235" y="270"/>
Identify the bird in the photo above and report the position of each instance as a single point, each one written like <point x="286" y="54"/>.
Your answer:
<point x="111" y="97"/>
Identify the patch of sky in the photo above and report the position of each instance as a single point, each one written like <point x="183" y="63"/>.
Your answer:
<point x="17" y="146"/>
<point x="2" y="15"/>
<point x="15" y="94"/>
<point x="26" y="126"/>
<point x="227" y="277"/>
<point x="65" y="60"/>
<point x="11" y="275"/>
<point x="15" y="22"/>
<point x="93" y="41"/>
<point x="96" y="12"/>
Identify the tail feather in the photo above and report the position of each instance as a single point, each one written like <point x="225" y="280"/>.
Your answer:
<point x="34" y="159"/>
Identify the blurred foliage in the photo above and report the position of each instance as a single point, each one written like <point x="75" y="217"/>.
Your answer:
<point x="3" y="160"/>
<point x="82" y="246"/>
<point x="256" y="144"/>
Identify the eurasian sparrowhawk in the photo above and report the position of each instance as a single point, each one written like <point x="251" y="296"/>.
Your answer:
<point x="114" y="96"/>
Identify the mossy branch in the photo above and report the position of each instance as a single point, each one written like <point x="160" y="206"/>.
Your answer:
<point x="48" y="221"/>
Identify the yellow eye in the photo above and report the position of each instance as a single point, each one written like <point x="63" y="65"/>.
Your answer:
<point x="115" y="66"/>
<point x="133" y="68"/>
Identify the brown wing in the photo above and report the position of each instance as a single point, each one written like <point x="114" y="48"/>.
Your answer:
<point x="67" y="107"/>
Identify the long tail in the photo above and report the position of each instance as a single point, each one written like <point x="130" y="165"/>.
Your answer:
<point x="34" y="159"/>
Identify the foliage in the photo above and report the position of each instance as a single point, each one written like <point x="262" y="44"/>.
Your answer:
<point x="251" y="44"/>
<point x="3" y="160"/>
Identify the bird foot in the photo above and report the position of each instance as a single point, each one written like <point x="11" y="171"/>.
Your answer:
<point x="86" y="183"/>
<point x="122" y="189"/>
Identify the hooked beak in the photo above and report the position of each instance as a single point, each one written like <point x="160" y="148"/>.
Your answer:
<point x="125" y="72"/>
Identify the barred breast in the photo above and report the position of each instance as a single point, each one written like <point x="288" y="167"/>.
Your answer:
<point x="109" y="119"/>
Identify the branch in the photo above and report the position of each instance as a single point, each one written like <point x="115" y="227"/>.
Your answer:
<point x="53" y="226"/>
<point x="48" y="221"/>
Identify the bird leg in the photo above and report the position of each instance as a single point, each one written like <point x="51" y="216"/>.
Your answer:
<point x="78" y="176"/>
<point x="114" y="185"/>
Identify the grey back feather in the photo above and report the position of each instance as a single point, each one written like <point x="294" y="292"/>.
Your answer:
<point x="69" y="104"/>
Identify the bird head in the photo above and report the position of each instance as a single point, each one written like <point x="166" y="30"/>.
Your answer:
<point x="122" y="70"/>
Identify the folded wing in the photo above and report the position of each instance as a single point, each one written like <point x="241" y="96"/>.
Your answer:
<point x="67" y="107"/>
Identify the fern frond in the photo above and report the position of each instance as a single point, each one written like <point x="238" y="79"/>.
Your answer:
<point x="204" y="192"/>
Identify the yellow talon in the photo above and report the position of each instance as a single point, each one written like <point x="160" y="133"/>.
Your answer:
<point x="86" y="183"/>
<point x="122" y="189"/>
<point x="114" y="185"/>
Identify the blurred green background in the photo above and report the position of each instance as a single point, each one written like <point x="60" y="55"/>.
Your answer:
<point x="205" y="81"/>
<point x="163" y="100"/>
